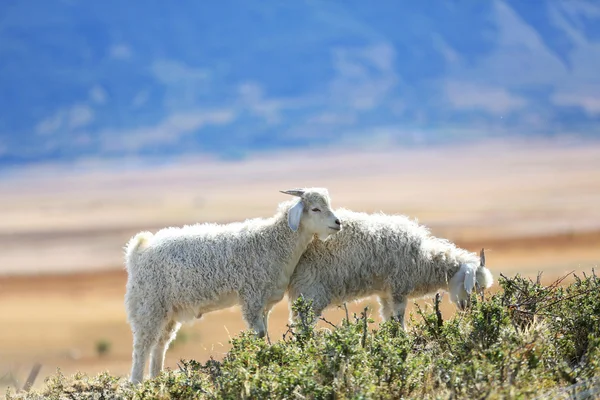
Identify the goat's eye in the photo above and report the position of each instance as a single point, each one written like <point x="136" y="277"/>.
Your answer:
<point x="316" y="210"/>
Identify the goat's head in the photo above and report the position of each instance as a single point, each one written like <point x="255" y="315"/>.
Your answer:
<point x="313" y="212"/>
<point x="469" y="277"/>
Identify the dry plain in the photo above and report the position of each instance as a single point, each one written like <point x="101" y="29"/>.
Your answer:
<point x="533" y="206"/>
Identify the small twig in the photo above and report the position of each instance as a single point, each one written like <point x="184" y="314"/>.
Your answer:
<point x="438" y="313"/>
<point x="513" y="284"/>
<point x="557" y="282"/>
<point x="32" y="376"/>
<point x="535" y="300"/>
<point x="347" y="316"/>
<point x="288" y="332"/>
<point x="533" y="313"/>
<point x="268" y="338"/>
<point x="514" y="324"/>
<point x="364" y="336"/>
<point x="328" y="322"/>
<point x="566" y="298"/>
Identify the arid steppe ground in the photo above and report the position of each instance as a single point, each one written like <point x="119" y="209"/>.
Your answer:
<point x="533" y="206"/>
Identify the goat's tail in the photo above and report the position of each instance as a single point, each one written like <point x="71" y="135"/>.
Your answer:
<point x="135" y="247"/>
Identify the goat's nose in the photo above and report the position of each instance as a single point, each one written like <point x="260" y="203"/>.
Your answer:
<point x="337" y="222"/>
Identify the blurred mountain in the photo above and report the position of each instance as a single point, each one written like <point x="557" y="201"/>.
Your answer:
<point x="110" y="78"/>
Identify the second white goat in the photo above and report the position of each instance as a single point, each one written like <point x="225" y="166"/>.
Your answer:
<point x="389" y="256"/>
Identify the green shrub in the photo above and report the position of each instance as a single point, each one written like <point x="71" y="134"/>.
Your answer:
<point x="525" y="341"/>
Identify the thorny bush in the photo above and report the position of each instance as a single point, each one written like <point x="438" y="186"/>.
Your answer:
<point x="525" y="340"/>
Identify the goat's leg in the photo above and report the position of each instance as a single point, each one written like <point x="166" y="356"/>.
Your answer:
<point x="157" y="359"/>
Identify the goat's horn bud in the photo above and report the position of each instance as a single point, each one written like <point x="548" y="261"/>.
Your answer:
<point x="482" y="258"/>
<point x="293" y="192"/>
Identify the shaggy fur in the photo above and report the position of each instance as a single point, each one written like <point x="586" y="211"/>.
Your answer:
<point x="385" y="255"/>
<point x="178" y="274"/>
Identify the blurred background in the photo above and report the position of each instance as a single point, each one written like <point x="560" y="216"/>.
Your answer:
<point x="479" y="118"/>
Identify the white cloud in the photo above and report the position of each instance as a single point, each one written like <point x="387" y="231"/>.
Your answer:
<point x="521" y="59"/>
<point x="381" y="55"/>
<point x="120" y="52"/>
<point x="580" y="86"/>
<point x="381" y="137"/>
<point x="449" y="54"/>
<point x="398" y="106"/>
<point x="71" y="118"/>
<point x="79" y="115"/>
<point x="49" y="125"/>
<point x="533" y="120"/>
<point x="364" y="79"/>
<point x="519" y="56"/>
<point x="98" y="94"/>
<point x="141" y="98"/>
<point x="332" y="118"/>
<point x="82" y="139"/>
<point x="250" y="91"/>
<point x="580" y="9"/>
<point x="172" y="71"/>
<point x="365" y="76"/>
<point x="589" y="102"/>
<point x="169" y="130"/>
<point x="184" y="85"/>
<point x="585" y="55"/>
<point x="251" y="96"/>
<point x="495" y="100"/>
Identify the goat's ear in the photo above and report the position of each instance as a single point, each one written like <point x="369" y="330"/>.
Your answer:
<point x="482" y="258"/>
<point x="294" y="215"/>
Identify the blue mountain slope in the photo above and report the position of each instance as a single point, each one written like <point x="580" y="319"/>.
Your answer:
<point x="111" y="79"/>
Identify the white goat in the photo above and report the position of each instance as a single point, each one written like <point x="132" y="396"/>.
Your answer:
<point x="385" y="255"/>
<point x="178" y="274"/>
